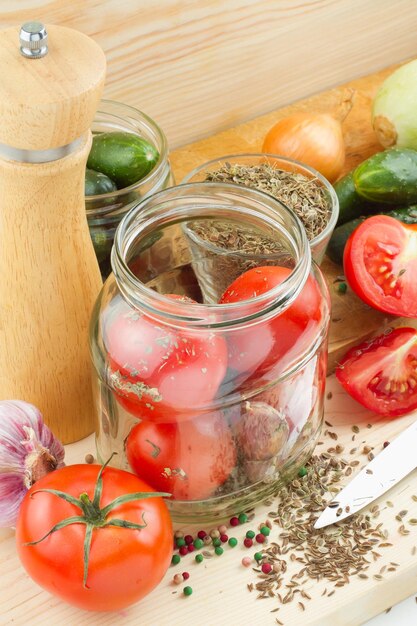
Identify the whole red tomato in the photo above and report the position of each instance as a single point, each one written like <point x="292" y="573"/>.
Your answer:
<point x="189" y="460"/>
<point x="162" y="373"/>
<point x="263" y="345"/>
<point x="124" y="564"/>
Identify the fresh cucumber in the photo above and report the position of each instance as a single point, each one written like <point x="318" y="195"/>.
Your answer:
<point x="351" y="205"/>
<point x="124" y="157"/>
<point x="335" y="249"/>
<point x="388" y="177"/>
<point x="97" y="183"/>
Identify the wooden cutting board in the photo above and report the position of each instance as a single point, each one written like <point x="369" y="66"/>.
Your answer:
<point x="352" y="320"/>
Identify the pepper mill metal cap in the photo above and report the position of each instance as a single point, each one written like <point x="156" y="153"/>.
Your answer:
<point x="33" y="40"/>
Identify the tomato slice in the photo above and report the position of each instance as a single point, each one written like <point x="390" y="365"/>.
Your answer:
<point x="380" y="263"/>
<point x="381" y="373"/>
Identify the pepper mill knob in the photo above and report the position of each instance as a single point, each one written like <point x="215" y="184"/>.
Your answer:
<point x="33" y="40"/>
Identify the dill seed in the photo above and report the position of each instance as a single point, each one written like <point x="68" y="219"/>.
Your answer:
<point x="412" y="521"/>
<point x="355" y="429"/>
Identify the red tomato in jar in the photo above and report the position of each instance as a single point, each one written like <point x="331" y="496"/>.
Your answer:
<point x="190" y="460"/>
<point x="381" y="373"/>
<point x="262" y="345"/>
<point x="124" y="564"/>
<point x="161" y="373"/>
<point x="380" y="263"/>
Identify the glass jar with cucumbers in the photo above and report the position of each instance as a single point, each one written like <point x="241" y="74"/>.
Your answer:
<point x="128" y="161"/>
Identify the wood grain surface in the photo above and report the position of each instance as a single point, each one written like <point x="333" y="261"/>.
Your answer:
<point x="220" y="594"/>
<point x="352" y="320"/>
<point x="200" y="66"/>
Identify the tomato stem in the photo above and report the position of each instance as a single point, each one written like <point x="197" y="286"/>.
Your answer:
<point x="94" y="517"/>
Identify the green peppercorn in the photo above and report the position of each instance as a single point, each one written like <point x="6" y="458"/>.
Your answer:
<point x="199" y="558"/>
<point x="232" y="542"/>
<point x="341" y="288"/>
<point x="242" y="518"/>
<point x="187" y="591"/>
<point x="180" y="542"/>
<point x="175" y="559"/>
<point x="302" y="472"/>
<point x="219" y="551"/>
<point x="250" y="534"/>
<point x="217" y="543"/>
<point x="258" y="556"/>
<point x="265" y="531"/>
<point x="198" y="544"/>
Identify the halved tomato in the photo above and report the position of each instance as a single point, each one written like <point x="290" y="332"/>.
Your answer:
<point x="380" y="263"/>
<point x="381" y="373"/>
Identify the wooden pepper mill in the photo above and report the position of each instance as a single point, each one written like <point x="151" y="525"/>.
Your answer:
<point x="50" y="87"/>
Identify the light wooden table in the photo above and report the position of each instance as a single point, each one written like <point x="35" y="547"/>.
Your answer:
<point x="220" y="595"/>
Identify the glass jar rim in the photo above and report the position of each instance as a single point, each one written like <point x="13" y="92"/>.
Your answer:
<point x="334" y="208"/>
<point x="206" y="314"/>
<point x="163" y="151"/>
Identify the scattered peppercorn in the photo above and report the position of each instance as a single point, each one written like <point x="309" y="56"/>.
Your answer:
<point x="177" y="579"/>
<point x="224" y="538"/>
<point x="341" y="288"/>
<point x="247" y="542"/>
<point x="187" y="591"/>
<point x="180" y="542"/>
<point x="178" y="534"/>
<point x="185" y="575"/>
<point x="219" y="551"/>
<point x="199" y="558"/>
<point x="258" y="556"/>
<point x="234" y="521"/>
<point x="207" y="540"/>
<point x="246" y="561"/>
<point x="243" y="518"/>
<point x="214" y="534"/>
<point x="89" y="458"/>
<point x="217" y="542"/>
<point x="223" y="529"/>
<point x="260" y="538"/>
<point x="191" y="547"/>
<point x="188" y="539"/>
<point x="183" y="550"/>
<point x="175" y="559"/>
<point x="266" y="568"/>
<point x="198" y="544"/>
<point x="201" y="534"/>
<point x="265" y="531"/>
<point x="386" y="444"/>
<point x="232" y="542"/>
<point x="250" y="534"/>
<point x="302" y="472"/>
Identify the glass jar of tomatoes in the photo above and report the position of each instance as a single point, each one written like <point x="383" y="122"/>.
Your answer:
<point x="105" y="210"/>
<point x="216" y="403"/>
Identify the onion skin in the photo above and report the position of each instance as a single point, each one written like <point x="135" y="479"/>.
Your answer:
<point x="394" y="108"/>
<point x="315" y="139"/>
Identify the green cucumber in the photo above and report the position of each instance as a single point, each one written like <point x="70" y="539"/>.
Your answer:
<point x="335" y="249"/>
<point x="388" y="177"/>
<point x="124" y="157"/>
<point x="97" y="183"/>
<point x="351" y="205"/>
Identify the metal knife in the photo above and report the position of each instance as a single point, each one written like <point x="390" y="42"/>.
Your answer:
<point x="383" y="472"/>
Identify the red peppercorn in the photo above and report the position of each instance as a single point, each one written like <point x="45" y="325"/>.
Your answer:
<point x="266" y="568"/>
<point x="234" y="521"/>
<point x="188" y="539"/>
<point x="247" y="542"/>
<point x="191" y="547"/>
<point x="260" y="538"/>
<point x="201" y="534"/>
<point x="183" y="550"/>
<point x="386" y="444"/>
<point x="224" y="538"/>
<point x="185" y="575"/>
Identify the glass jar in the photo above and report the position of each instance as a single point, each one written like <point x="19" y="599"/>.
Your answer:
<point x="104" y="211"/>
<point x="216" y="404"/>
<point x="319" y="243"/>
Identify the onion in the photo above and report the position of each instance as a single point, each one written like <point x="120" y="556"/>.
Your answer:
<point x="315" y="139"/>
<point x="394" y="109"/>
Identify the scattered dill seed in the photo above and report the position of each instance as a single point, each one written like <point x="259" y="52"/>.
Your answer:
<point x="355" y="428"/>
<point x="414" y="498"/>
<point x="413" y="521"/>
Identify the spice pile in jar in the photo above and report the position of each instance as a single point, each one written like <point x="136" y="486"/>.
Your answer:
<point x="305" y="196"/>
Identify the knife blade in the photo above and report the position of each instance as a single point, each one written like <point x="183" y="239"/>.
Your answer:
<point x="381" y="474"/>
